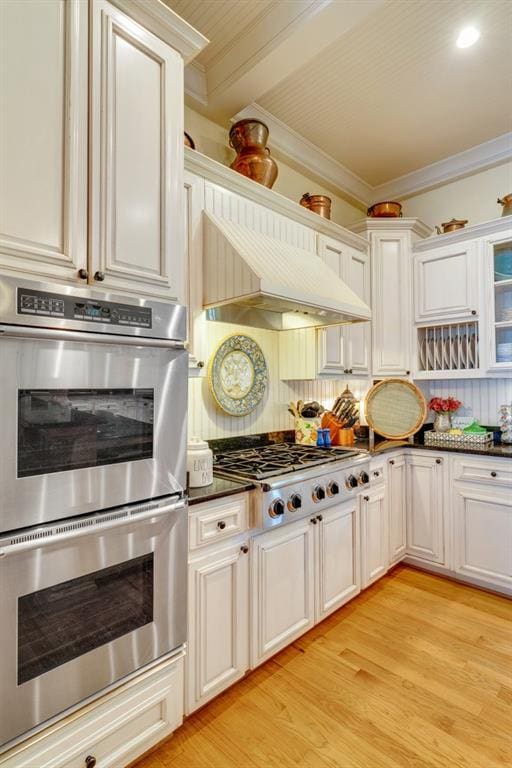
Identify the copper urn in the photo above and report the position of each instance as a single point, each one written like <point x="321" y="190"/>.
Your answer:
<point x="506" y="202"/>
<point x="320" y="204"/>
<point x="249" y="138"/>
<point x="451" y="226"/>
<point x="385" y="210"/>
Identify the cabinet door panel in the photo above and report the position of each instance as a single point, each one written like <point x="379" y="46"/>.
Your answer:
<point x="332" y="353"/>
<point x="43" y="124"/>
<point x="218" y="624"/>
<point x="483" y="535"/>
<point x="282" y="588"/>
<point x="446" y="283"/>
<point x="375" y="548"/>
<point x="137" y="156"/>
<point x="397" y="508"/>
<point x="338" y="559"/>
<point x="425" y="523"/>
<point x="357" y="336"/>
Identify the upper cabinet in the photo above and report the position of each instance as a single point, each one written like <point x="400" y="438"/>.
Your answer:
<point x="136" y="157"/>
<point x="497" y="258"/>
<point x="43" y="128"/>
<point x="107" y="212"/>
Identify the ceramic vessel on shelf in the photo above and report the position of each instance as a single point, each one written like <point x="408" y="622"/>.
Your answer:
<point x="442" y="421"/>
<point x="451" y="226"/>
<point x="505" y="418"/>
<point x="506" y="202"/>
<point x="384" y="210"/>
<point x="320" y="204"/>
<point x="249" y="138"/>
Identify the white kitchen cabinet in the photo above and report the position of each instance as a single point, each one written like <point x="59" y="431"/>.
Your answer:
<point x="193" y="266"/>
<point x="43" y="125"/>
<point x="397" y="507"/>
<point x="338" y="571"/>
<point x="136" y="184"/>
<point x="114" y="730"/>
<point x="282" y="587"/>
<point x="374" y="535"/>
<point x="446" y="283"/>
<point x="425" y="507"/>
<point x="483" y="534"/>
<point x="218" y="635"/>
<point x="497" y="259"/>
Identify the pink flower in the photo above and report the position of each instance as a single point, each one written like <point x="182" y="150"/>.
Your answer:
<point x="441" y="405"/>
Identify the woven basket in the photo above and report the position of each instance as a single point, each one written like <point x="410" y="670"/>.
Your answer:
<point x="395" y="409"/>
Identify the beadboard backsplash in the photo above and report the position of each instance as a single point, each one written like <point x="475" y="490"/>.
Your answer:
<point x="480" y="398"/>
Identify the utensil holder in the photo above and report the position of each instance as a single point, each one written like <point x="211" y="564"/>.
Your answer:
<point x="306" y="431"/>
<point x="346" y="436"/>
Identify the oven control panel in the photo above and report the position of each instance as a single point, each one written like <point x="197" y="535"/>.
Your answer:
<point x="65" y="307"/>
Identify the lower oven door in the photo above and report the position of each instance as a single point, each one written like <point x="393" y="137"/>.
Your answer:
<point x="85" y="603"/>
<point x="89" y="422"/>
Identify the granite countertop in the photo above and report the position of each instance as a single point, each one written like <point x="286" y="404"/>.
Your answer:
<point x="493" y="450"/>
<point x="219" y="488"/>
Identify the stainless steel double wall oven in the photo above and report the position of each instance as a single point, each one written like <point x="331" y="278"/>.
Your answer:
<point x="92" y="494"/>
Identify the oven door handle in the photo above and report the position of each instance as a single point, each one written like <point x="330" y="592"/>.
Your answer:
<point x="58" y="334"/>
<point x="72" y="529"/>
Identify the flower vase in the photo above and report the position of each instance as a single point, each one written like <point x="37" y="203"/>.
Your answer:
<point x="442" y="421"/>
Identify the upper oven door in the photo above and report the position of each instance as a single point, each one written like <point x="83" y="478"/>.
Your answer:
<point x="87" y="424"/>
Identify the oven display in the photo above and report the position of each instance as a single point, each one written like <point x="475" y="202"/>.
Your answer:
<point x="77" y="308"/>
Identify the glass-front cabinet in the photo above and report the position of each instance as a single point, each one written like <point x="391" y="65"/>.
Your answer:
<point x="499" y="261"/>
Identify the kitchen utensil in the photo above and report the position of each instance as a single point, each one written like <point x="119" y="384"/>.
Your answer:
<point x="293" y="409"/>
<point x="248" y="138"/>
<point x="320" y="204"/>
<point x="506" y="202"/>
<point x="451" y="226"/>
<point x="384" y="210"/>
<point x="395" y="408"/>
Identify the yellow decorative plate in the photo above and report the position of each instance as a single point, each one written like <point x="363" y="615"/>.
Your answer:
<point x="238" y="375"/>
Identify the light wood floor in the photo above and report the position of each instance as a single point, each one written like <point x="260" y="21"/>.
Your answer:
<point x="416" y="671"/>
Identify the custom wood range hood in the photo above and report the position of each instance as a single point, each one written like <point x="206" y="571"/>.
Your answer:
<point x="256" y="280"/>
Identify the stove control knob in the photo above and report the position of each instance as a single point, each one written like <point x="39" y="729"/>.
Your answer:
<point x="318" y="493"/>
<point x="364" y="478"/>
<point x="294" y="502"/>
<point x="333" y="488"/>
<point x="351" y="481"/>
<point x="276" y="508"/>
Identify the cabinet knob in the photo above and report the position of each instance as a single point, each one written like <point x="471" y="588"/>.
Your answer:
<point x="83" y="274"/>
<point x="221" y="524"/>
<point x="99" y="276"/>
<point x="494" y="474"/>
<point x="313" y="520"/>
<point x="439" y="461"/>
<point x="366" y="498"/>
<point x="90" y="761"/>
<point x="473" y="311"/>
<point x="407" y="373"/>
<point x="200" y="364"/>
<point x="350" y="370"/>
<point x="244" y="549"/>
<point x="319" y="518"/>
<point x="377" y="474"/>
<point x="391" y="461"/>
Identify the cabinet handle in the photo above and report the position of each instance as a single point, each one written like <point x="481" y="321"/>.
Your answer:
<point x="391" y="461"/>
<point x="439" y="461"/>
<point x="83" y="274"/>
<point x="244" y="549"/>
<point x="319" y="518"/>
<point x="366" y="498"/>
<point x="494" y="474"/>
<point x="350" y="370"/>
<point x="473" y="311"/>
<point x="221" y="524"/>
<point x="99" y="276"/>
<point x="407" y="373"/>
<point x="313" y="520"/>
<point x="90" y="761"/>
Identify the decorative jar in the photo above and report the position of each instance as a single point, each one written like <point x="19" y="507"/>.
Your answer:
<point x="442" y="421"/>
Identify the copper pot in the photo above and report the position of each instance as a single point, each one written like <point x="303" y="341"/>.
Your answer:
<point x="506" y="202"/>
<point x="384" y="210"/>
<point x="248" y="138"/>
<point x="320" y="204"/>
<point x="188" y="140"/>
<point x="451" y="226"/>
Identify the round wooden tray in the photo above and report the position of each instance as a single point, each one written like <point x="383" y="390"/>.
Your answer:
<point x="395" y="408"/>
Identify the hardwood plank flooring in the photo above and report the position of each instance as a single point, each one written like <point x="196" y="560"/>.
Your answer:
<point x="414" y="673"/>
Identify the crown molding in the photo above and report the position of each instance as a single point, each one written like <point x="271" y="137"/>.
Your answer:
<point x="209" y="169"/>
<point x="392" y="224"/>
<point x="163" y="22"/>
<point x="478" y="158"/>
<point x="309" y="156"/>
<point x="503" y="224"/>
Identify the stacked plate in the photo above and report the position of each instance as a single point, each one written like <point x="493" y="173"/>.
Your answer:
<point x="504" y="352"/>
<point x="506" y="314"/>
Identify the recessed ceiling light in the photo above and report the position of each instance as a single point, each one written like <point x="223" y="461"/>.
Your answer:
<point x="468" y="36"/>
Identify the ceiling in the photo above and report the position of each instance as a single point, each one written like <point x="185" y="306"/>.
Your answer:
<point x="377" y="85"/>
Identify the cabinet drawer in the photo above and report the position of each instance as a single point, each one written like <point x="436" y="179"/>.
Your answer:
<point x="114" y="730"/>
<point x="496" y="472"/>
<point x="218" y="520"/>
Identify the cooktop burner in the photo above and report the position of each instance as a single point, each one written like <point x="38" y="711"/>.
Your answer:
<point x="266" y="461"/>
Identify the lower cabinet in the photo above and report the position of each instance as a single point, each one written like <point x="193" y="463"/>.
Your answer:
<point x="113" y="731"/>
<point x="300" y="574"/>
<point x="374" y="535"/>
<point x="218" y="635"/>
<point x="397" y="508"/>
<point x="425" y="507"/>
<point x="483" y="534"/>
